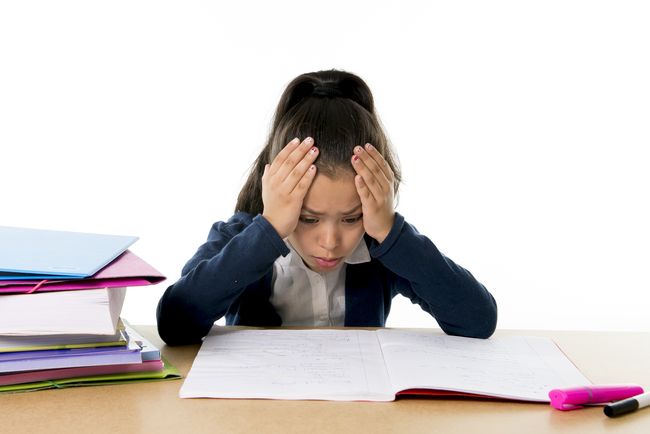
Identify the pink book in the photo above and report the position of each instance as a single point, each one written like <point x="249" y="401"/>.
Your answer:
<point x="85" y="371"/>
<point x="126" y="270"/>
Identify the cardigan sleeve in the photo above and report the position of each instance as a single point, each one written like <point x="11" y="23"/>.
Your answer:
<point x="416" y="269"/>
<point x="236" y="254"/>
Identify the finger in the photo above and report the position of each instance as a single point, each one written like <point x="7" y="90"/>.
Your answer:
<point x="362" y="190"/>
<point x="298" y="172"/>
<point x="381" y="162"/>
<point x="370" y="162"/>
<point x="360" y="181"/>
<point x="294" y="158"/>
<point x="283" y="154"/>
<point x="305" y="182"/>
<point x="369" y="178"/>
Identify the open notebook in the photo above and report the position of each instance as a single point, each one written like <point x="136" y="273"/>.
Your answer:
<point x="361" y="365"/>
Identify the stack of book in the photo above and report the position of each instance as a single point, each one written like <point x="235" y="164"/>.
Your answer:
<point x="61" y="295"/>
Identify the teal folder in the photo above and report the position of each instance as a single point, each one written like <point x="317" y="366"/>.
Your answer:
<point x="45" y="254"/>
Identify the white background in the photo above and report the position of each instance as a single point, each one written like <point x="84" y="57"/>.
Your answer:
<point x="522" y="130"/>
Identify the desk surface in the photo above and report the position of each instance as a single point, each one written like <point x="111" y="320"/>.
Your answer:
<point x="604" y="357"/>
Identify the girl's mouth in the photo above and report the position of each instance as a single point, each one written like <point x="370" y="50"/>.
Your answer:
<point x="327" y="263"/>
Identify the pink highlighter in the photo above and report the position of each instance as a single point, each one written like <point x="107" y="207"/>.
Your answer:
<point x="575" y="397"/>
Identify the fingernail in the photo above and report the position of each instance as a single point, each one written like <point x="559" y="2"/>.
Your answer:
<point x="358" y="149"/>
<point x="309" y="140"/>
<point x="295" y="140"/>
<point x="369" y="146"/>
<point x="313" y="150"/>
<point x="355" y="158"/>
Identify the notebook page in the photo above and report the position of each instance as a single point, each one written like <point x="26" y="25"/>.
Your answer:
<point x="289" y="364"/>
<point x="516" y="367"/>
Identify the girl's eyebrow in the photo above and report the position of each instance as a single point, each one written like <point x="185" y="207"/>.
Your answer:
<point x="311" y="211"/>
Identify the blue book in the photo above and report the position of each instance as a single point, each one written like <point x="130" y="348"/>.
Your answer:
<point x="46" y="254"/>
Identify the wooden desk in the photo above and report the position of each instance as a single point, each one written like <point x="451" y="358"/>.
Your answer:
<point x="604" y="357"/>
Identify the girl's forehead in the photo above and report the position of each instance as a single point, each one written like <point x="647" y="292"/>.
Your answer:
<point x="336" y="195"/>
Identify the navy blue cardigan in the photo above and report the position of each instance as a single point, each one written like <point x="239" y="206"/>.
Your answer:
<point x="231" y="274"/>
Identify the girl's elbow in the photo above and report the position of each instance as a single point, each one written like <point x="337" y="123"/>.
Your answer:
<point x="488" y="323"/>
<point x="485" y="329"/>
<point x="480" y="325"/>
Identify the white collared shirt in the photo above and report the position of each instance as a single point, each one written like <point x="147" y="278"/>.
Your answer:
<point x="303" y="297"/>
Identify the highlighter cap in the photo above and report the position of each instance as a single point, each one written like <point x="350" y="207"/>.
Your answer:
<point x="575" y="397"/>
<point x="568" y="399"/>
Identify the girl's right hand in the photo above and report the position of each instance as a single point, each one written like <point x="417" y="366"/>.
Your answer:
<point x="285" y="183"/>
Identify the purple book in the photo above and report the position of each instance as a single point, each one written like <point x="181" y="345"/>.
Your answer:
<point x="72" y="358"/>
<point x="84" y="371"/>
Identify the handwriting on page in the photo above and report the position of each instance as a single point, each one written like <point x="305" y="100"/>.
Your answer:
<point x="515" y="366"/>
<point x="289" y="364"/>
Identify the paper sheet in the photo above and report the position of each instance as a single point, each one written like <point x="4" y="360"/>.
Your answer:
<point x="517" y="367"/>
<point x="289" y="364"/>
<point x="92" y="311"/>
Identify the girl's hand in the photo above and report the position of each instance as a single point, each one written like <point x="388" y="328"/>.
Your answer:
<point x="285" y="183"/>
<point x="374" y="182"/>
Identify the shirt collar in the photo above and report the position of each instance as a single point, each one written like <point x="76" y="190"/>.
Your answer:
<point x="359" y="255"/>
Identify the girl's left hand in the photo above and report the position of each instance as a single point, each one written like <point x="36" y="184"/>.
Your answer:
<point x="375" y="185"/>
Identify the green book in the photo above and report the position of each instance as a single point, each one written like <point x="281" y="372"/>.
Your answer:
<point x="169" y="372"/>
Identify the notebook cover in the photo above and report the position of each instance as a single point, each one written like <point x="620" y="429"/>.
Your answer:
<point x="126" y="270"/>
<point x="37" y="253"/>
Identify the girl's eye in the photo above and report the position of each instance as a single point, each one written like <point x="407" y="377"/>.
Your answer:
<point x="308" y="220"/>
<point x="352" y="220"/>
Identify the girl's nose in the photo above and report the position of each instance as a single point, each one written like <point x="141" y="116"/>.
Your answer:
<point x="329" y="238"/>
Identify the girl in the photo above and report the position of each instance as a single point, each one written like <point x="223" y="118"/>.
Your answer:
<point x="315" y="239"/>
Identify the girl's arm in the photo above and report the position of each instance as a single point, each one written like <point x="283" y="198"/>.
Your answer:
<point x="461" y="305"/>
<point x="236" y="254"/>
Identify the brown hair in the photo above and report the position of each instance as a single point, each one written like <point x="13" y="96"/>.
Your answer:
<point x="336" y="109"/>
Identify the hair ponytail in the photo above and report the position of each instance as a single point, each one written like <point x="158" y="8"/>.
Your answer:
<point x="330" y="83"/>
<point x="336" y="109"/>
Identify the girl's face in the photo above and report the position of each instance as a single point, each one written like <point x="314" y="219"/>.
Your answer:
<point x="331" y="223"/>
